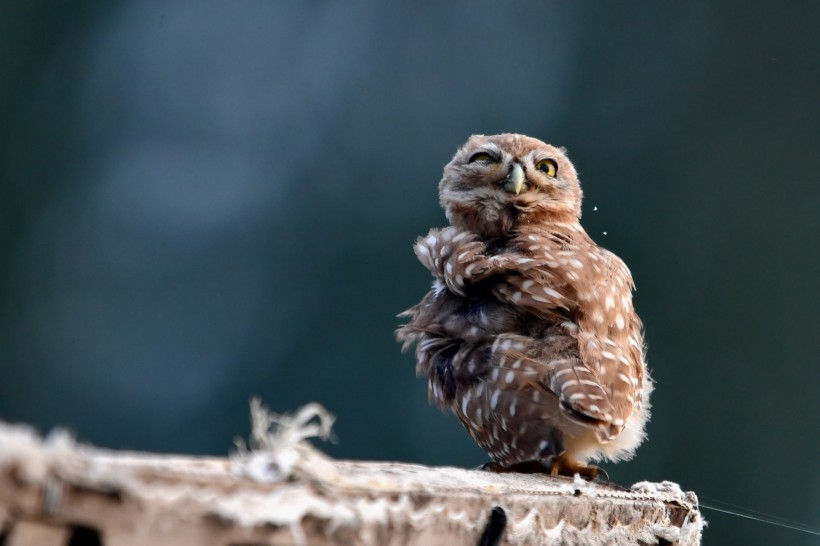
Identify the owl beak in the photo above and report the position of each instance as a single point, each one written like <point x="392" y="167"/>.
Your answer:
<point x="515" y="180"/>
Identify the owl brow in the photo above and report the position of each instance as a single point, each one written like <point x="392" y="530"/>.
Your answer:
<point x="537" y="155"/>
<point x="491" y="146"/>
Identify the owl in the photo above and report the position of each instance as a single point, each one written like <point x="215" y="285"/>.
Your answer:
<point x="529" y="334"/>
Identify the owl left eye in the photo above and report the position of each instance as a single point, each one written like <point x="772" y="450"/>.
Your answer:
<point x="547" y="166"/>
<point x="483" y="157"/>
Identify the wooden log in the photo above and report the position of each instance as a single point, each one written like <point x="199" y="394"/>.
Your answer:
<point x="283" y="491"/>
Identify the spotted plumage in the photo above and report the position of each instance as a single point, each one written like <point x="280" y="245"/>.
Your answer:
<point x="528" y="334"/>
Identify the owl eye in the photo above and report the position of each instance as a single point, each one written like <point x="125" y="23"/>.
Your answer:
<point x="483" y="157"/>
<point x="547" y="166"/>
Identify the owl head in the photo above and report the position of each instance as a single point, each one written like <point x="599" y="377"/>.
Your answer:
<point x="495" y="183"/>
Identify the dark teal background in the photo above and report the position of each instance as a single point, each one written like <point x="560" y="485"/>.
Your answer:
<point x="202" y="201"/>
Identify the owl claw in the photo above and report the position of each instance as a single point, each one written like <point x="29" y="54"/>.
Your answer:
<point x="564" y="466"/>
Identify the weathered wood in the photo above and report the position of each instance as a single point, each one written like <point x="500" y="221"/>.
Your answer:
<point x="282" y="491"/>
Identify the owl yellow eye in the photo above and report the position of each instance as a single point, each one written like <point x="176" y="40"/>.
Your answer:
<point x="547" y="166"/>
<point x="483" y="157"/>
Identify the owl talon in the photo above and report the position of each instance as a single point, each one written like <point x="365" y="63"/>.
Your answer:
<point x="563" y="466"/>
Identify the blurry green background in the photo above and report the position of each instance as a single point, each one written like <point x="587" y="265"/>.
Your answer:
<point x="201" y="202"/>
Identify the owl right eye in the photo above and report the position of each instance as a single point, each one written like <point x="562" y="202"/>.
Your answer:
<point x="483" y="157"/>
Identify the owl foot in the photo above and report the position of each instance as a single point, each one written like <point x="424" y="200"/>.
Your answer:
<point x="562" y="465"/>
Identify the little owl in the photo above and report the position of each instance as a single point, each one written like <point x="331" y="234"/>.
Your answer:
<point x="528" y="333"/>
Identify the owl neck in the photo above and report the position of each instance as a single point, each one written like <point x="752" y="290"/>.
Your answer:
<point x="560" y="232"/>
<point x="505" y="224"/>
<point x="551" y="219"/>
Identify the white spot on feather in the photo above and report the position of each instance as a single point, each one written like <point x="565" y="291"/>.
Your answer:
<point x="465" y="401"/>
<point x="552" y="293"/>
<point x="494" y="400"/>
<point x="438" y="287"/>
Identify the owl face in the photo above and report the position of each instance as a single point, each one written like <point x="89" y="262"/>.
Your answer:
<point x="495" y="183"/>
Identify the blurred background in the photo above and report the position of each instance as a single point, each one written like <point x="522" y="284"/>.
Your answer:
<point x="202" y="201"/>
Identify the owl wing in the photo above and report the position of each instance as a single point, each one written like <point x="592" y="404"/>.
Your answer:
<point x="525" y="365"/>
<point x="611" y="337"/>
<point x="582" y="394"/>
<point x="458" y="259"/>
<point x="582" y="397"/>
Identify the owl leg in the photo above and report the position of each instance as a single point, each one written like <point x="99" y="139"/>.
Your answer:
<point x="561" y="465"/>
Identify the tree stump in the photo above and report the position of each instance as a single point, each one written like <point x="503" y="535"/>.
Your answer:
<point x="282" y="491"/>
